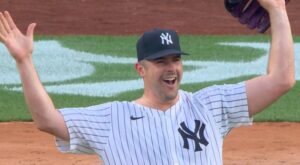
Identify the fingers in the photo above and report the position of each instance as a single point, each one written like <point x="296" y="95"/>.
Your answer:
<point x="10" y="21"/>
<point x="6" y="24"/>
<point x="3" y="31"/>
<point x="30" y="30"/>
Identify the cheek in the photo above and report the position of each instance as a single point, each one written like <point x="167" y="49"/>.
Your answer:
<point x="152" y="75"/>
<point x="155" y="76"/>
<point x="180" y="70"/>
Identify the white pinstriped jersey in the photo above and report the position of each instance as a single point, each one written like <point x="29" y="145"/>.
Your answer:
<point x="189" y="132"/>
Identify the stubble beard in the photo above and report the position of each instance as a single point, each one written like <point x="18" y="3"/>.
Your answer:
<point x="167" y="96"/>
<point x="170" y="97"/>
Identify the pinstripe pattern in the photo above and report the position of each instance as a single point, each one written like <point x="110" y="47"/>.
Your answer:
<point x="153" y="136"/>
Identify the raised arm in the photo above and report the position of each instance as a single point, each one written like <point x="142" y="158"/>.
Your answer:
<point x="20" y="46"/>
<point x="264" y="90"/>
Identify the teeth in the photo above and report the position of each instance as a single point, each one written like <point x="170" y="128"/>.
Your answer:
<point x="170" y="79"/>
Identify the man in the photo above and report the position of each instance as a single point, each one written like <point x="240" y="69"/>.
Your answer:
<point x="166" y="125"/>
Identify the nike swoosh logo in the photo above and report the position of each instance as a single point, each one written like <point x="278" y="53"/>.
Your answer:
<point x="135" y="118"/>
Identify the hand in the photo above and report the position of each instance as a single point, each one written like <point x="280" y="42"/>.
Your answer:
<point x="255" y="13"/>
<point x="270" y="5"/>
<point x="19" y="45"/>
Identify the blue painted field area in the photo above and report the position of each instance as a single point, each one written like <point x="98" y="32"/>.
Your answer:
<point x="77" y="76"/>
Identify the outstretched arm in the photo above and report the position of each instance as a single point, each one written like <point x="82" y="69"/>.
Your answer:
<point x="264" y="90"/>
<point x="20" y="46"/>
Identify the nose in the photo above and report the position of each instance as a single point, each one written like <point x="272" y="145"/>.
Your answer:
<point x="172" y="65"/>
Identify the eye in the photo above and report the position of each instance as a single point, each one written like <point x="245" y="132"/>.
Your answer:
<point x="159" y="61"/>
<point x="177" y="59"/>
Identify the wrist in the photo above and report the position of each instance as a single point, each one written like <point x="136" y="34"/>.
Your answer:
<point x="24" y="61"/>
<point x="277" y="10"/>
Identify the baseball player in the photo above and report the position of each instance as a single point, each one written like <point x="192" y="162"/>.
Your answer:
<point x="165" y="125"/>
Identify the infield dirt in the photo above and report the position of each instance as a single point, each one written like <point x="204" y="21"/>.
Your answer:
<point x="261" y="144"/>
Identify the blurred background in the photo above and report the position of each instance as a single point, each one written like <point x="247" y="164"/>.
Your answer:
<point x="121" y="17"/>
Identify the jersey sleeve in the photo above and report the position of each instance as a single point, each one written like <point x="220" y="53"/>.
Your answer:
<point x="227" y="104"/>
<point x="88" y="129"/>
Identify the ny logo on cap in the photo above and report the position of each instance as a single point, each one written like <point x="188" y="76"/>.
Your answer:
<point x="166" y="37"/>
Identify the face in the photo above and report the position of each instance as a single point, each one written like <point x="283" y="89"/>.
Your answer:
<point x="161" y="77"/>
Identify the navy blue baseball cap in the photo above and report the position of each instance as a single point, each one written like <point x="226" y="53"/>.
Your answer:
<point x="158" y="43"/>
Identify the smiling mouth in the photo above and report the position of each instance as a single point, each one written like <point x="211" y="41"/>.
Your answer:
<point x="170" y="81"/>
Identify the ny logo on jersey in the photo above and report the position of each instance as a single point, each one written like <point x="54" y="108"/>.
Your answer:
<point x="166" y="38"/>
<point x="197" y="135"/>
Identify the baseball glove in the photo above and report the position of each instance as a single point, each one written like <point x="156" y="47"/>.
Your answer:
<point x="249" y="12"/>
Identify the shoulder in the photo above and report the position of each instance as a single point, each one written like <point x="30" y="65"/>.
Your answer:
<point x="93" y="109"/>
<point x="220" y="90"/>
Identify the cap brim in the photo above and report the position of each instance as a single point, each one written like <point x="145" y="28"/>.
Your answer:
<point x="165" y="53"/>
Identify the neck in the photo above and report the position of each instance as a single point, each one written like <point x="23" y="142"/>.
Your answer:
<point x="157" y="103"/>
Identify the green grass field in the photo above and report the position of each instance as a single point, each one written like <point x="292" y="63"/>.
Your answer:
<point x="202" y="48"/>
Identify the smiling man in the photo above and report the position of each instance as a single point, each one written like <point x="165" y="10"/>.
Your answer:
<point x="166" y="125"/>
<point x="159" y="64"/>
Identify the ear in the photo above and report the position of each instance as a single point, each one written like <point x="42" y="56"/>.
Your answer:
<point x="140" y="69"/>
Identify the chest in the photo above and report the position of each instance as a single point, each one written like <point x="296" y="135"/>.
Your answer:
<point x="179" y="135"/>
